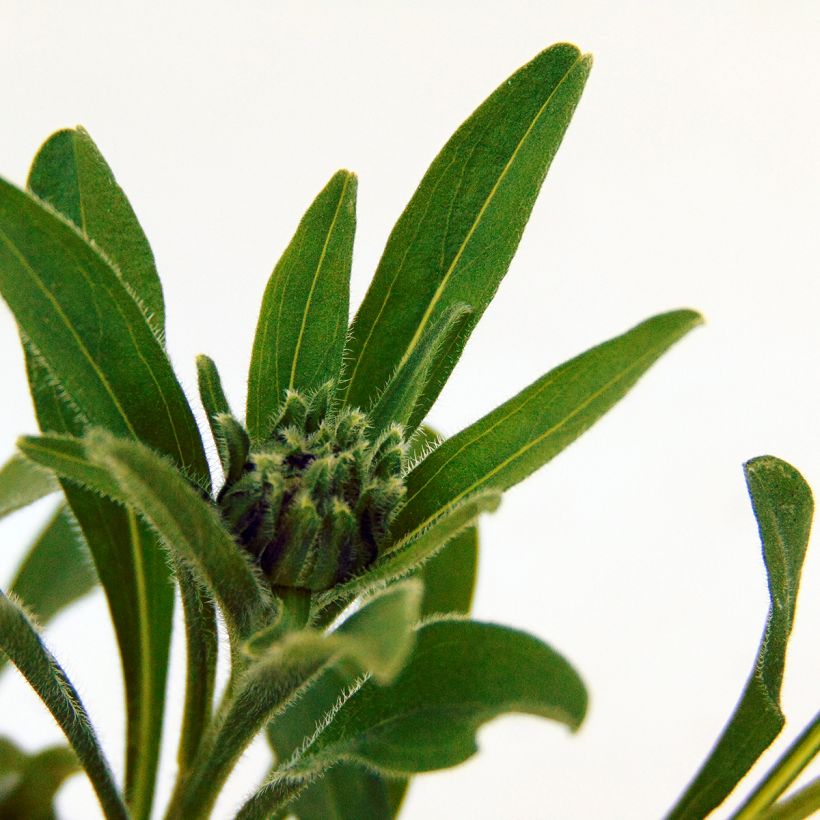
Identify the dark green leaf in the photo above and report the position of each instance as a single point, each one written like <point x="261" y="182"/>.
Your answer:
<point x="525" y="432"/>
<point x="377" y="639"/>
<point x="461" y="675"/>
<point x="302" y="324"/>
<point x="783" y="506"/>
<point x="457" y="236"/>
<point x="22" y="483"/>
<point x="71" y="175"/>
<point x="398" y="401"/>
<point x="29" y="783"/>
<point x="20" y="641"/>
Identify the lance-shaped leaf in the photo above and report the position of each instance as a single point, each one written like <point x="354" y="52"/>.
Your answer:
<point x="29" y="783"/>
<point x="400" y="397"/>
<point x="461" y="675"/>
<point x="189" y="526"/>
<point x="135" y="575"/>
<point x="70" y="173"/>
<point x="20" y="641"/>
<point x="411" y="553"/>
<point x="525" y="432"/>
<point x="303" y="320"/>
<point x="457" y="236"/>
<point x="375" y="640"/>
<point x="88" y="331"/>
<point x="783" y="506"/>
<point x="72" y="177"/>
<point x="22" y="483"/>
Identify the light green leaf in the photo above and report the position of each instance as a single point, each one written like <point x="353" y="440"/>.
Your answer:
<point x="457" y="236"/>
<point x="303" y="320"/>
<point x="20" y="641"/>
<point x="29" y="783"/>
<point x="22" y="483"/>
<point x="400" y="397"/>
<point x="461" y="675"/>
<point x="377" y="639"/>
<point x="525" y="432"/>
<point x="783" y="506"/>
<point x="71" y="175"/>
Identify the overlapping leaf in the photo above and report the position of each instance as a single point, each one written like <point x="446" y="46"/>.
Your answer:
<point x="457" y="236"/>
<point x="376" y="640"/>
<point x="783" y="507"/>
<point x="525" y="432"/>
<point x="461" y="674"/>
<point x="22" y="483"/>
<point x="302" y="323"/>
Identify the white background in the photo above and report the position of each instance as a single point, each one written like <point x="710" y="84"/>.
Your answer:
<point x="689" y="177"/>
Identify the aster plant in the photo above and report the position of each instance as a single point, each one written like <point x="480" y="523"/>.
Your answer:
<point x="337" y="545"/>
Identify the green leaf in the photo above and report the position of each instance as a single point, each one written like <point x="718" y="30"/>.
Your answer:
<point x="189" y="526"/>
<point x="303" y="320"/>
<point x="377" y="639"/>
<point x="20" y="641"/>
<point x="29" y="783"/>
<point x="346" y="792"/>
<point x="803" y="803"/>
<point x="457" y="236"/>
<point x="525" y="432"/>
<point x="135" y="576"/>
<point x="89" y="333"/>
<point x="56" y="571"/>
<point x="22" y="483"/>
<point x="449" y="577"/>
<point x="461" y="675"/>
<point x="783" y="506"/>
<point x="400" y="397"/>
<point x="99" y="292"/>
<point x="71" y="175"/>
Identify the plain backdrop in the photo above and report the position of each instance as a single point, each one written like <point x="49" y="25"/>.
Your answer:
<point x="689" y="177"/>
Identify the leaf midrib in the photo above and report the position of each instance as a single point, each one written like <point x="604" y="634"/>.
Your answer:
<point x="473" y="228"/>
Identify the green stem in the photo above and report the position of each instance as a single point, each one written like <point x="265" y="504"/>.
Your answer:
<point x="783" y="773"/>
<point x="801" y="804"/>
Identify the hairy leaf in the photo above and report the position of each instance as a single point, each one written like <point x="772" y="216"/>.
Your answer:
<point x="461" y="675"/>
<point x="783" y="506"/>
<point x="20" y="641"/>
<point x="457" y="236"/>
<point x="399" y="399"/>
<point x="22" y="483"/>
<point x="525" y="432"/>
<point x="71" y="175"/>
<point x="377" y="640"/>
<point x="302" y="323"/>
